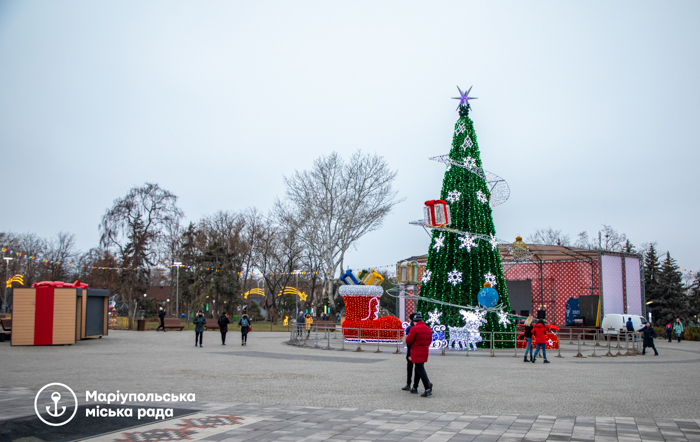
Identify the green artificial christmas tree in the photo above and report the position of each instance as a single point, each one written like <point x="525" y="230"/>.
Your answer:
<point x="464" y="254"/>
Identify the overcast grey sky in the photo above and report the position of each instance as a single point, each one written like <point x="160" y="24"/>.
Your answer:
<point x="588" y="109"/>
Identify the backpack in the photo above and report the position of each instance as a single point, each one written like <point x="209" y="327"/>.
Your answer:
<point x="222" y="321"/>
<point x="244" y="322"/>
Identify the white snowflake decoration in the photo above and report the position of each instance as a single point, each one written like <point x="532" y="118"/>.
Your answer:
<point x="551" y="343"/>
<point x="469" y="163"/>
<point x="490" y="278"/>
<point x="434" y="317"/>
<point x="460" y="129"/>
<point x="426" y="276"/>
<point x="467" y="143"/>
<point x="468" y="242"/>
<point x="503" y="318"/>
<point x="453" y="196"/>
<point x="439" y="243"/>
<point x="493" y="241"/>
<point x="454" y="277"/>
<point x="481" y="196"/>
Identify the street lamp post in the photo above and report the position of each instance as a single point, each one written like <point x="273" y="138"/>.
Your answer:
<point x="7" y="268"/>
<point x="177" y="290"/>
<point x="296" y="295"/>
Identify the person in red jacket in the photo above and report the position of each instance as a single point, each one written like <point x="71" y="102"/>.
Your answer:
<point x="540" y="335"/>
<point x="419" y="340"/>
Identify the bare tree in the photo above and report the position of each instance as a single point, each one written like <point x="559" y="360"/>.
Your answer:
<point x="276" y="255"/>
<point x="607" y="239"/>
<point x="134" y="228"/>
<point x="549" y="237"/>
<point x="334" y="204"/>
<point x="60" y="251"/>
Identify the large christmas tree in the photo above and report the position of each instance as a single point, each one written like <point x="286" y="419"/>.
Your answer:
<point x="464" y="254"/>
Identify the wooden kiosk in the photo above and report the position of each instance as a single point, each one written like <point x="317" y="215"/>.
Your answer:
<point x="58" y="313"/>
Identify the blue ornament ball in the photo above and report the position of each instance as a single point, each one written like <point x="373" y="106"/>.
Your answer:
<point x="488" y="297"/>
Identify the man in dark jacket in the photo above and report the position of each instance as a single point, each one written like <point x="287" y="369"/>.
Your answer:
<point x="649" y="335"/>
<point x="199" y="322"/>
<point x="300" y="324"/>
<point x="630" y="326"/>
<point x="419" y="339"/>
<point x="161" y="316"/>
<point x="224" y="321"/>
<point x="409" y="366"/>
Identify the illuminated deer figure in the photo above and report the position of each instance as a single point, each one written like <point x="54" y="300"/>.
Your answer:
<point x="463" y="337"/>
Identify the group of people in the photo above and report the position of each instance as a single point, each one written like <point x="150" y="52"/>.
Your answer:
<point x="304" y="322"/>
<point x="200" y="321"/>
<point x="538" y="332"/>
<point x="418" y="339"/>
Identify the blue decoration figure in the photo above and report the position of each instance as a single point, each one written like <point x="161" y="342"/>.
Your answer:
<point x="488" y="296"/>
<point x="349" y="279"/>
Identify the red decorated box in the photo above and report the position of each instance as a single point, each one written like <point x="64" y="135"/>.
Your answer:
<point x="57" y="313"/>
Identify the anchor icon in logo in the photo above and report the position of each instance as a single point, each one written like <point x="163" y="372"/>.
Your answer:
<point x="55" y="397"/>
<point x="56" y="417"/>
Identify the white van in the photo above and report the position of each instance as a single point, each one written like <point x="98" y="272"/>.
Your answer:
<point x="615" y="322"/>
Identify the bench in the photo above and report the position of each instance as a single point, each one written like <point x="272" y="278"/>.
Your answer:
<point x="212" y="324"/>
<point x="324" y="326"/>
<point x="5" y="328"/>
<point x="172" y="324"/>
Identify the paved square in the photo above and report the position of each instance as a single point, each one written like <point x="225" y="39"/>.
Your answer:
<point x="357" y="395"/>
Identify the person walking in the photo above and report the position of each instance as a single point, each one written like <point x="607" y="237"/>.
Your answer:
<point x="527" y="326"/>
<point x="161" y="316"/>
<point x="678" y="328"/>
<point x="409" y="363"/>
<point x="630" y="328"/>
<point x="224" y="321"/>
<point x="419" y="339"/>
<point x="669" y="332"/>
<point x="300" y="324"/>
<point x="308" y="320"/>
<point x="540" y="334"/>
<point x="649" y="335"/>
<point x="199" y="322"/>
<point x="244" y="322"/>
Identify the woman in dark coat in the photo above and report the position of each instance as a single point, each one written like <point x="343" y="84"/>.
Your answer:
<point x="649" y="335"/>
<point x="419" y="339"/>
<point x="244" y="322"/>
<point x="224" y="321"/>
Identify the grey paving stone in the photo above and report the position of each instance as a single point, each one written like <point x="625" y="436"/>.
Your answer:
<point x="371" y="411"/>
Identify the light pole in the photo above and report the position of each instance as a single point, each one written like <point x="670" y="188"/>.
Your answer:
<point x="177" y="290"/>
<point x="4" y="299"/>
<point x="296" y="295"/>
